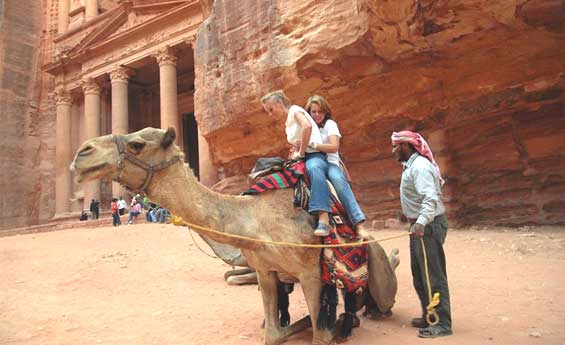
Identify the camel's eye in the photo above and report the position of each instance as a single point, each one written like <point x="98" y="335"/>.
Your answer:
<point x="137" y="146"/>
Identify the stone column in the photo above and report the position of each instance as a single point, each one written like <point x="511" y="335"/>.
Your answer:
<point x="168" y="89"/>
<point x="207" y="171"/>
<point x="120" y="117"/>
<point x="63" y="19"/>
<point x="63" y="154"/>
<point x="91" y="91"/>
<point x="91" y="9"/>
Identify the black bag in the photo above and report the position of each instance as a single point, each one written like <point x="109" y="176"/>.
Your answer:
<point x="266" y="165"/>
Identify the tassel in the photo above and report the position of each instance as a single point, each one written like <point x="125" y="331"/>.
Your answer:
<point x="345" y="325"/>
<point x="328" y="306"/>
<point x="346" y="319"/>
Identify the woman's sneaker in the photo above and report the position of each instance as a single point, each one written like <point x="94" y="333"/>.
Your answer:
<point x="322" y="230"/>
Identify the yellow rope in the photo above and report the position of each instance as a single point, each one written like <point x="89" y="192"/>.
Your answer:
<point x="434" y="301"/>
<point x="176" y="220"/>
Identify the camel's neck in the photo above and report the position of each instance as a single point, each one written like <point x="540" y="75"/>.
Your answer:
<point x="177" y="189"/>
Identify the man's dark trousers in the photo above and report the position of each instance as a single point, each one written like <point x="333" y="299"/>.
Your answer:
<point x="434" y="237"/>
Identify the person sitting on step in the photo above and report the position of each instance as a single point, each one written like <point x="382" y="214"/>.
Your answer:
<point x="135" y="211"/>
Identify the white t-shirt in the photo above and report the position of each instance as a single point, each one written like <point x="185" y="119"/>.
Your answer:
<point x="122" y="204"/>
<point x="294" y="130"/>
<point x="330" y="128"/>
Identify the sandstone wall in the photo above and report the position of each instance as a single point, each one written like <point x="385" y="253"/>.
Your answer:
<point x="27" y="132"/>
<point x="482" y="80"/>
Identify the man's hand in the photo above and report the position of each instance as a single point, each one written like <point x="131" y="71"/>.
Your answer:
<point x="417" y="230"/>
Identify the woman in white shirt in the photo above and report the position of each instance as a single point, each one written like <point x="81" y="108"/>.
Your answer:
<point x="303" y="134"/>
<point x="321" y="112"/>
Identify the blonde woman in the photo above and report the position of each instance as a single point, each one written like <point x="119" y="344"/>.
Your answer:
<point x="303" y="134"/>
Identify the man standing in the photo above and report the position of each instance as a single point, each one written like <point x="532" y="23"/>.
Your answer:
<point x="420" y="198"/>
<point x="122" y="206"/>
<point x="115" y="213"/>
<point x="94" y="209"/>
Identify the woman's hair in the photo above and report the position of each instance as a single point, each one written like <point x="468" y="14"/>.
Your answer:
<point x="322" y="103"/>
<point x="276" y="96"/>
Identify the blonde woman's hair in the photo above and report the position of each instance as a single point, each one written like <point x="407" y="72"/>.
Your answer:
<point x="322" y="103"/>
<point x="276" y="96"/>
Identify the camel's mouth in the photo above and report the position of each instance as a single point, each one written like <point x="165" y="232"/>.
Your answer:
<point x="90" y="173"/>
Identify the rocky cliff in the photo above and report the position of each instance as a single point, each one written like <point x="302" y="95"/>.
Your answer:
<point x="482" y="80"/>
<point x="27" y="133"/>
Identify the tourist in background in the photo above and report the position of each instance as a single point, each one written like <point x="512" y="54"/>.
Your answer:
<point x="135" y="211"/>
<point x="115" y="212"/>
<point x="94" y="209"/>
<point x="122" y="206"/>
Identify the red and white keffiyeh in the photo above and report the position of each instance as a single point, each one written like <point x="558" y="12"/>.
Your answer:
<point x="419" y="144"/>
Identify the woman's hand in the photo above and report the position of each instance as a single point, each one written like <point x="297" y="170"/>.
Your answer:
<point x="296" y="156"/>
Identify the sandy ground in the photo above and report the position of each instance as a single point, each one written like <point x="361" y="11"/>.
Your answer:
<point x="149" y="284"/>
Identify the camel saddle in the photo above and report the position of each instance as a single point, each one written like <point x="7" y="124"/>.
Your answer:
<point x="343" y="267"/>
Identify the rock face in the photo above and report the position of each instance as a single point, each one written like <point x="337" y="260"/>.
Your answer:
<point x="27" y="153"/>
<point x="482" y="80"/>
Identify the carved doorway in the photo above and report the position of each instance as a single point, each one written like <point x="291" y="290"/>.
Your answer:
<point x="190" y="140"/>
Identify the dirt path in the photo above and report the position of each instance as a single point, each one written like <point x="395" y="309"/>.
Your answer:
<point x="148" y="284"/>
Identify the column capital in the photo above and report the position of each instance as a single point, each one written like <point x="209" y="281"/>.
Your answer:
<point x="121" y="74"/>
<point x="90" y="87"/>
<point x="166" y="57"/>
<point x="62" y="96"/>
<point x="190" y="40"/>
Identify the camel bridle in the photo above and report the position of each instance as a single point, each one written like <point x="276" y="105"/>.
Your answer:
<point x="148" y="168"/>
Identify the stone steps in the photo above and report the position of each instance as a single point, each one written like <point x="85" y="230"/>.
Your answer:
<point x="65" y="223"/>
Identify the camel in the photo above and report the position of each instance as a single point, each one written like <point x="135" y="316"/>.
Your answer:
<point x="149" y="161"/>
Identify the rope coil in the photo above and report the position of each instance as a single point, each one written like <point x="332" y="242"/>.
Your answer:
<point x="434" y="301"/>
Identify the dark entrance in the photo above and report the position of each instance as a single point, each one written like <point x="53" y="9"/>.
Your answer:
<point x="190" y="140"/>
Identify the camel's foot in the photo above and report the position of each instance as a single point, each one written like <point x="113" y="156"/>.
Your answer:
<point x="374" y="313"/>
<point x="344" y="326"/>
<point x="299" y="325"/>
<point x="324" y="338"/>
<point x="285" y="332"/>
<point x="243" y="279"/>
<point x="284" y="320"/>
<point x="393" y="259"/>
<point x="237" y="272"/>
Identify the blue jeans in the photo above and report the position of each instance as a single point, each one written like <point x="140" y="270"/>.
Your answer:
<point x="345" y="194"/>
<point x="161" y="215"/>
<point x="133" y="214"/>
<point x="317" y="169"/>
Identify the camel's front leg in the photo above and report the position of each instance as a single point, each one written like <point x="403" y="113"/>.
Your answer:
<point x="312" y="289"/>
<point x="268" y="285"/>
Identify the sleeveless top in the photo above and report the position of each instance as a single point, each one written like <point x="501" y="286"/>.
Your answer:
<point x="294" y="130"/>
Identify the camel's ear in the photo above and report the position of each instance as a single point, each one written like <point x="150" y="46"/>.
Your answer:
<point x="169" y="138"/>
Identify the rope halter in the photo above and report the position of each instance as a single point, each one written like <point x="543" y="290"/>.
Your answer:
<point x="148" y="168"/>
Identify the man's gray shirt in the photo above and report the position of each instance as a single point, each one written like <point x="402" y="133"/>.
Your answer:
<point x="420" y="190"/>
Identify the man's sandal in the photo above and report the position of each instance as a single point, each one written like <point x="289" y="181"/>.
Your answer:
<point x="433" y="332"/>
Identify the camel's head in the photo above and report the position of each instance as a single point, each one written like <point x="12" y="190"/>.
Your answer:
<point x="126" y="158"/>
